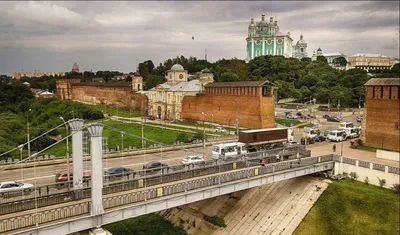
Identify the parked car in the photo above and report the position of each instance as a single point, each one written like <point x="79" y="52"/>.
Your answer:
<point x="192" y="160"/>
<point x="292" y="116"/>
<point x="319" y="138"/>
<point x="326" y="116"/>
<point x="220" y="129"/>
<point x="154" y="166"/>
<point x="359" y="118"/>
<point x="309" y="140"/>
<point x="118" y="171"/>
<point x="12" y="186"/>
<point x="63" y="176"/>
<point x="334" y="119"/>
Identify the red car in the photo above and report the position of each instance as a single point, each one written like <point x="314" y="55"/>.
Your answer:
<point x="63" y="177"/>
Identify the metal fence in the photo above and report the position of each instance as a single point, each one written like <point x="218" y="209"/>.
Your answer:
<point x="58" y="193"/>
<point x="148" y="193"/>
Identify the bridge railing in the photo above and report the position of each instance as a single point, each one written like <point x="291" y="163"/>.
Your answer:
<point x="148" y="193"/>
<point x="58" y="193"/>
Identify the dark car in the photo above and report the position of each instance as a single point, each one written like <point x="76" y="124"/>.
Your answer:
<point x="309" y="141"/>
<point x="334" y="119"/>
<point x="326" y="116"/>
<point x="118" y="171"/>
<point x="319" y="138"/>
<point x="154" y="166"/>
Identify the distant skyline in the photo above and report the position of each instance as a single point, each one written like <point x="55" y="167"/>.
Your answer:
<point x="51" y="36"/>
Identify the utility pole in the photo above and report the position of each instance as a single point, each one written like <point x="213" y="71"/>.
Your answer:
<point x="204" y="135"/>
<point x="142" y="135"/>
<point x="68" y="170"/>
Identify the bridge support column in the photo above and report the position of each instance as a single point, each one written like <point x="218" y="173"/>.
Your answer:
<point x="96" y="151"/>
<point x="77" y="156"/>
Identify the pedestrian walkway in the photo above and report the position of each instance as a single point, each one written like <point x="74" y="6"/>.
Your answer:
<point x="318" y="150"/>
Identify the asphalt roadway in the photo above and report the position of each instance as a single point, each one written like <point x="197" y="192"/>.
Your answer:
<point x="46" y="174"/>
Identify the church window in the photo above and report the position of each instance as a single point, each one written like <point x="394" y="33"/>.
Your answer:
<point x="257" y="52"/>
<point x="301" y="49"/>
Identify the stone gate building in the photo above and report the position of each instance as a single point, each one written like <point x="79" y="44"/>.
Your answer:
<point x="249" y="103"/>
<point x="380" y="127"/>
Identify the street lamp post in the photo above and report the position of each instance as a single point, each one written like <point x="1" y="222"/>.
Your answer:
<point x="204" y="134"/>
<point x="68" y="169"/>
<point x="21" y="146"/>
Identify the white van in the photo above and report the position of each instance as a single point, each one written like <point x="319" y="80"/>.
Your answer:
<point x="310" y="132"/>
<point x="228" y="150"/>
<point x="337" y="135"/>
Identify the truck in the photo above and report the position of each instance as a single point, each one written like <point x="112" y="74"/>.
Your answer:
<point x="253" y="141"/>
<point x="268" y="138"/>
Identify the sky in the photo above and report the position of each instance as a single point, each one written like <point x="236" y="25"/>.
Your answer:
<point x="51" y="36"/>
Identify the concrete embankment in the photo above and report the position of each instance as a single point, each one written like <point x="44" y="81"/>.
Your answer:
<point x="276" y="208"/>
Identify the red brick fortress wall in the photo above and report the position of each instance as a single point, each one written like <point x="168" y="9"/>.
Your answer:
<point x="252" y="110"/>
<point x="382" y="117"/>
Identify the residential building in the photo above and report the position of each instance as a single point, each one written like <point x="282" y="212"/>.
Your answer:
<point x="371" y="62"/>
<point x="165" y="100"/>
<point x="246" y="103"/>
<point x="265" y="38"/>
<point x="380" y="125"/>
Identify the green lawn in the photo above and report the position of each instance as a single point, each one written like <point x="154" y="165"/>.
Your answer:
<point x="115" y="139"/>
<point x="366" y="148"/>
<point x="351" y="207"/>
<point x="151" y="224"/>
<point x="287" y="122"/>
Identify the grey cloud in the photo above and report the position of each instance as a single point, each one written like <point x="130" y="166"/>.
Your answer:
<point x="112" y="35"/>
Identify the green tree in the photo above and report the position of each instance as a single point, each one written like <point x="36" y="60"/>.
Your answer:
<point x="340" y="61"/>
<point x="322" y="58"/>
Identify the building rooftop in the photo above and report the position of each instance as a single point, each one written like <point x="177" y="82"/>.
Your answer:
<point x="368" y="55"/>
<point x="333" y="54"/>
<point x="177" y="67"/>
<point x="103" y="84"/>
<point x="193" y="85"/>
<point x="383" y="82"/>
<point x="238" y="84"/>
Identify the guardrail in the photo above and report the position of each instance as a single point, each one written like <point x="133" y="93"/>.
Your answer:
<point x="82" y="208"/>
<point x="57" y="193"/>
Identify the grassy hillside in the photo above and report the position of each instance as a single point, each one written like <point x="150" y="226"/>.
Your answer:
<point x="351" y="207"/>
<point x="151" y="224"/>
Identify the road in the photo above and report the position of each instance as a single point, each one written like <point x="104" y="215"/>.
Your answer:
<point x="45" y="174"/>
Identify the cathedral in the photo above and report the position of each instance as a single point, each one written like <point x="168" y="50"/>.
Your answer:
<point x="264" y="38"/>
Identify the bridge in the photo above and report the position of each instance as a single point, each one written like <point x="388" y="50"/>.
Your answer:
<point x="54" y="209"/>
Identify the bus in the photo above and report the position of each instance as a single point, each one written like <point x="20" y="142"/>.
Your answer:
<point x="228" y="150"/>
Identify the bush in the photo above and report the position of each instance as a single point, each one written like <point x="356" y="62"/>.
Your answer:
<point x="382" y="182"/>
<point x="396" y="188"/>
<point x="353" y="175"/>
<point x="366" y="180"/>
<point x="198" y="136"/>
<point x="182" y="137"/>
<point x="219" y="221"/>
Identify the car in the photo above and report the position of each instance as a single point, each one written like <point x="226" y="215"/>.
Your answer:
<point x="326" y="116"/>
<point x="192" y="160"/>
<point x="118" y="171"/>
<point x="292" y="116"/>
<point x="63" y="176"/>
<point x="334" y="119"/>
<point x="319" y="138"/>
<point x="13" y="186"/>
<point x="309" y="140"/>
<point x="359" y="118"/>
<point x="154" y="166"/>
<point x="220" y="129"/>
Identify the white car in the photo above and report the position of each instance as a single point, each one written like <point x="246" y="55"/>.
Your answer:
<point x="12" y="186"/>
<point x="220" y="129"/>
<point x="192" y="160"/>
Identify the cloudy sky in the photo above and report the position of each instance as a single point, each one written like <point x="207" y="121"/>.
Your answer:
<point x="51" y="36"/>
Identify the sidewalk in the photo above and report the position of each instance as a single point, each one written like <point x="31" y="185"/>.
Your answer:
<point x="350" y="153"/>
